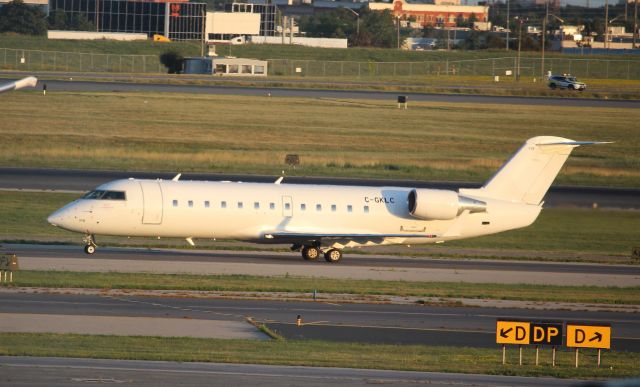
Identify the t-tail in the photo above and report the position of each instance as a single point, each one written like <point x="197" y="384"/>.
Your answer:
<point x="528" y="174"/>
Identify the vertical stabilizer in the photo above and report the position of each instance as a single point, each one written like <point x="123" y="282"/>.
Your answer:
<point x="528" y="174"/>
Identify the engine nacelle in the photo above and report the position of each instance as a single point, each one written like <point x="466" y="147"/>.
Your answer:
<point x="436" y="204"/>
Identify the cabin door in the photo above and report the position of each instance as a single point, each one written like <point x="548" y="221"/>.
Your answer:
<point x="152" y="202"/>
<point x="287" y="206"/>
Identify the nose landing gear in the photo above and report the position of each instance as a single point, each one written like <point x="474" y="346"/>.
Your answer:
<point x="90" y="244"/>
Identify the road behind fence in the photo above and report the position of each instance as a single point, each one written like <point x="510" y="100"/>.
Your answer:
<point x="37" y="60"/>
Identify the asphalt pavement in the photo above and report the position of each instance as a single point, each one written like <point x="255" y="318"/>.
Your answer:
<point x="345" y="322"/>
<point x="53" y="372"/>
<point x="290" y="260"/>
<point x="157" y="86"/>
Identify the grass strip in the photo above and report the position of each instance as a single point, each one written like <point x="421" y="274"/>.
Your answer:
<point x="247" y="283"/>
<point x="363" y="138"/>
<point x="318" y="354"/>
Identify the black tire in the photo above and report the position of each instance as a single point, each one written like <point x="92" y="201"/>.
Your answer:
<point x="89" y="249"/>
<point x="333" y="256"/>
<point x="552" y="86"/>
<point x="310" y="253"/>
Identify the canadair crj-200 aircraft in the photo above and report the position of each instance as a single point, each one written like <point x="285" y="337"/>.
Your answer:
<point x="320" y="219"/>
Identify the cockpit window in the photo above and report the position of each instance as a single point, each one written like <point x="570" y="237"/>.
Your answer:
<point x="105" y="195"/>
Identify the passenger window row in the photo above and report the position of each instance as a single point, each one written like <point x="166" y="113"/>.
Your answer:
<point x="272" y="206"/>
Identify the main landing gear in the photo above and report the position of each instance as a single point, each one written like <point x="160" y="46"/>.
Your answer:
<point x="89" y="244"/>
<point x="311" y="253"/>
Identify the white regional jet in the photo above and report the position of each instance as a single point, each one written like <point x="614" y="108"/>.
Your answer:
<point x="320" y="219"/>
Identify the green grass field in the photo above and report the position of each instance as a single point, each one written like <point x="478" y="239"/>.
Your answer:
<point x="363" y="138"/>
<point x="307" y="285"/>
<point x="319" y="353"/>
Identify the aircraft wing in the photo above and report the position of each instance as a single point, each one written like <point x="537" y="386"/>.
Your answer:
<point x="19" y="84"/>
<point x="315" y="236"/>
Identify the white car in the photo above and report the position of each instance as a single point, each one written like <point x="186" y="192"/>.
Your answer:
<point x="566" y="82"/>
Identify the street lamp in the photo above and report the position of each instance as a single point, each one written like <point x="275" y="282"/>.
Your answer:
<point x="520" y="21"/>
<point x="508" y="29"/>
<point x="544" y="33"/>
<point x="635" y="22"/>
<point x="398" y="24"/>
<point x="357" y="20"/>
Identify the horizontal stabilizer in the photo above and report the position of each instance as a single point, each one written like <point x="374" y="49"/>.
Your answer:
<point x="576" y="143"/>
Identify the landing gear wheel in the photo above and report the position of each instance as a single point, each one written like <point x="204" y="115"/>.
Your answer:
<point x="89" y="244"/>
<point x="333" y="255"/>
<point x="310" y="253"/>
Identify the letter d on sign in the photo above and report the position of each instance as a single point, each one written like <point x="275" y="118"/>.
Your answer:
<point x="580" y="336"/>
<point x="521" y="333"/>
<point x="538" y="334"/>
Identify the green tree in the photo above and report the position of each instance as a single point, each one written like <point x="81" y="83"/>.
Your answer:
<point x="16" y="16"/>
<point x="377" y="29"/>
<point x="472" y="19"/>
<point x="58" y="20"/>
<point x="173" y="61"/>
<point x="80" y="23"/>
<point x="494" y="41"/>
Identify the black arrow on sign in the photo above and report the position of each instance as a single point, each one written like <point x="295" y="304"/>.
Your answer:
<point x="597" y="336"/>
<point x="504" y="333"/>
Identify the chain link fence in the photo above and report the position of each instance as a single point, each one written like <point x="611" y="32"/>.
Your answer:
<point x="36" y="60"/>
<point x="529" y="67"/>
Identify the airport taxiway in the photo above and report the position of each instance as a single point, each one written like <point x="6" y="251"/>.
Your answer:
<point x="344" y="322"/>
<point x="160" y="86"/>
<point x="374" y="267"/>
<point x="53" y="372"/>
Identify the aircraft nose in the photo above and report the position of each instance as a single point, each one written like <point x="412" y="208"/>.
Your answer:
<point x="56" y="219"/>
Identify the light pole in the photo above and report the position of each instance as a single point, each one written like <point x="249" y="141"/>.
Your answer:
<point x="544" y="33"/>
<point x="606" y="24"/>
<point x="508" y="25"/>
<point x="357" y="20"/>
<point x="635" y="22"/>
<point x="398" y="24"/>
<point x="520" y="23"/>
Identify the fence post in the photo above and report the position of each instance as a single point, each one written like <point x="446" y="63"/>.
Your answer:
<point x="446" y="68"/>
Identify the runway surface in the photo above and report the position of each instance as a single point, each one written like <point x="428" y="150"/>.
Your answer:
<point x="52" y="372"/>
<point x="375" y="267"/>
<point x="158" y="87"/>
<point x="84" y="180"/>
<point x="345" y="322"/>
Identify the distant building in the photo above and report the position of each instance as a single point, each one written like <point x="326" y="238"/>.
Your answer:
<point x="225" y="66"/>
<point x="176" y="19"/>
<point x="226" y="26"/>
<point x="265" y="8"/>
<point x="433" y="14"/>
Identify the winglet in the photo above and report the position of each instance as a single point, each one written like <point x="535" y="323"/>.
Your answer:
<point x="279" y="180"/>
<point x="177" y="177"/>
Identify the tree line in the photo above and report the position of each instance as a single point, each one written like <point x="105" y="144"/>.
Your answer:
<point x="21" y="18"/>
